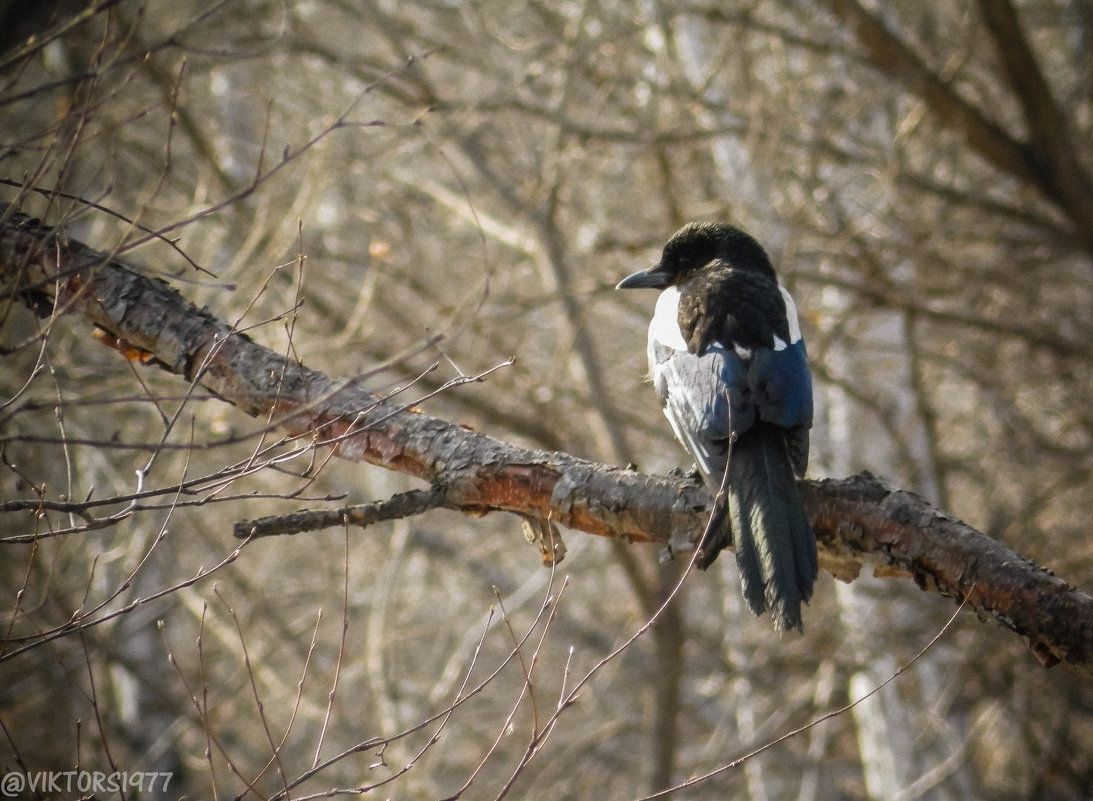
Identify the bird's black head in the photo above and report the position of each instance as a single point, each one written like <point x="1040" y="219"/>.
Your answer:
<point x="693" y="247"/>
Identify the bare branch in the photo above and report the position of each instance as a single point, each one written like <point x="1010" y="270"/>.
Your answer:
<point x="404" y="504"/>
<point x="1065" y="178"/>
<point x="857" y="520"/>
<point x="1045" y="160"/>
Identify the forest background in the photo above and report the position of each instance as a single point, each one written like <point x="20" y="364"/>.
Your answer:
<point x="434" y="199"/>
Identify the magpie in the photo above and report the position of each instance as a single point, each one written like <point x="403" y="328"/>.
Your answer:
<point x="729" y="367"/>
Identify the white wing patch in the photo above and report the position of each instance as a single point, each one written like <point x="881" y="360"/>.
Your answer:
<point x="791" y="318"/>
<point x="664" y="327"/>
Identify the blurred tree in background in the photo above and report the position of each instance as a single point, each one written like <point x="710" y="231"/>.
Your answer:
<point x="373" y="188"/>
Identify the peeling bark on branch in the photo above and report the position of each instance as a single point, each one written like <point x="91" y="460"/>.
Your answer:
<point x="857" y="520"/>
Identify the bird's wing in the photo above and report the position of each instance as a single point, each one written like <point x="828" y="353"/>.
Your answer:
<point x="781" y="388"/>
<point x="706" y="398"/>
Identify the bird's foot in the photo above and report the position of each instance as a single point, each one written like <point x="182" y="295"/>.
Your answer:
<point x="693" y="475"/>
<point x="676" y="545"/>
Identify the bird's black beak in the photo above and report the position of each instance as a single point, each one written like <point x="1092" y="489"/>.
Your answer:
<point x="653" y="278"/>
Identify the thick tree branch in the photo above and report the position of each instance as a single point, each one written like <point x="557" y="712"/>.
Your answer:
<point x="857" y="520"/>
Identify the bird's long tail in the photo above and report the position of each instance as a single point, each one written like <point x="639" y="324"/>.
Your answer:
<point x="775" y="547"/>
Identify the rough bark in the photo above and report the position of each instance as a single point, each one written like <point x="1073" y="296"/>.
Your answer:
<point x="857" y="520"/>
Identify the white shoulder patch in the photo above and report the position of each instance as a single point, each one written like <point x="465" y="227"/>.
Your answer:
<point x="791" y="317"/>
<point x="664" y="327"/>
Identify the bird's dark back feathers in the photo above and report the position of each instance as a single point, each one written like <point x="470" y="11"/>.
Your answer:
<point x="732" y="305"/>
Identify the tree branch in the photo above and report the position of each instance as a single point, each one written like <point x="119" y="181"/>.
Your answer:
<point x="398" y="506"/>
<point x="1046" y="160"/>
<point x="857" y="520"/>
<point x="894" y="58"/>
<point x="1063" y="176"/>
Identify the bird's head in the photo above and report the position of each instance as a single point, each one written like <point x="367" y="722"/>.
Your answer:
<point x="693" y="247"/>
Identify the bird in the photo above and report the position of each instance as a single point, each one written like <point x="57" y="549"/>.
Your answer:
<point x="730" y="369"/>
